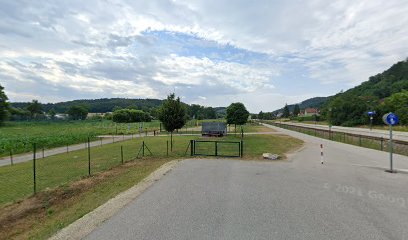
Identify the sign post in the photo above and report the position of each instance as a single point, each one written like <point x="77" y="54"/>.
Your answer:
<point x="370" y="115"/>
<point x="390" y="119"/>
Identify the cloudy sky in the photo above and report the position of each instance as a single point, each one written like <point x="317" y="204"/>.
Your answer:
<point x="262" y="53"/>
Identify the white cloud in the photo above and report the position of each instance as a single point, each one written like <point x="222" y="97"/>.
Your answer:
<point x="101" y="49"/>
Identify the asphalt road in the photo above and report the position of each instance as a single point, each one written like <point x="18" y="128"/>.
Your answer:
<point x="348" y="197"/>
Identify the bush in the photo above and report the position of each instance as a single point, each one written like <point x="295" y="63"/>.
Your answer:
<point x="130" y="115"/>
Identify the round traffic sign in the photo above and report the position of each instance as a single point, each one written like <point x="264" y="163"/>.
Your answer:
<point x="390" y="119"/>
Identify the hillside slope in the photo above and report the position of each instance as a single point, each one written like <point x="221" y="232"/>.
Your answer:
<point x="382" y="93"/>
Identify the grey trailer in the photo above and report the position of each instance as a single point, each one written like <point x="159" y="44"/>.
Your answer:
<point x="214" y="129"/>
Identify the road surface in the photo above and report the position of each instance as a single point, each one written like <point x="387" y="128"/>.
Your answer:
<point x="350" y="196"/>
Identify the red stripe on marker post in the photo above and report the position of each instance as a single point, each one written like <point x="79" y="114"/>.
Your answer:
<point x="321" y="153"/>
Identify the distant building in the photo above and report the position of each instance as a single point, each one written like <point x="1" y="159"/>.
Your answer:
<point x="95" y="114"/>
<point x="311" y="112"/>
<point x="61" y="116"/>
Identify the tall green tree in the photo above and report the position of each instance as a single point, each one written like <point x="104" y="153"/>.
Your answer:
<point x="4" y="106"/>
<point x="35" y="108"/>
<point x="172" y="114"/>
<point x="296" y="110"/>
<point x="286" y="112"/>
<point x="237" y="114"/>
<point x="78" y="112"/>
<point x="261" y="115"/>
<point x="51" y="113"/>
<point x="398" y="104"/>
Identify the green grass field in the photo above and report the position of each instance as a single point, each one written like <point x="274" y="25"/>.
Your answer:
<point x="65" y="193"/>
<point x="53" y="171"/>
<point x="19" y="136"/>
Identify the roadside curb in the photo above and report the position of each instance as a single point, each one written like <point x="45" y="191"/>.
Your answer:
<point x="85" y="225"/>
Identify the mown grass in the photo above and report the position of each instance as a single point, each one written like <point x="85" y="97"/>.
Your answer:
<point x="63" y="195"/>
<point x="42" y="215"/>
<point x="17" y="180"/>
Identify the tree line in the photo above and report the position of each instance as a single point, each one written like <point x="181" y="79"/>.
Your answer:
<point x="382" y="93"/>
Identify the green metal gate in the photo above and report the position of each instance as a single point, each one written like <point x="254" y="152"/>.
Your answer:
<point x="216" y="148"/>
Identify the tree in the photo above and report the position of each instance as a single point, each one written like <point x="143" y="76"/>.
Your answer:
<point x="78" y="112"/>
<point x="261" y="115"/>
<point x="130" y="115"/>
<point x="397" y="103"/>
<point x="286" y="112"/>
<point x="172" y="114"/>
<point x="237" y="114"/>
<point x="296" y="110"/>
<point x="35" y="108"/>
<point x="52" y="113"/>
<point x="121" y="116"/>
<point x="138" y="116"/>
<point x="4" y="106"/>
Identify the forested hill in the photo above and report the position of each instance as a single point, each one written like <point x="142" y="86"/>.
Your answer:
<point x="98" y="105"/>
<point x="383" y="85"/>
<point x="384" y="92"/>
<point x="315" y="102"/>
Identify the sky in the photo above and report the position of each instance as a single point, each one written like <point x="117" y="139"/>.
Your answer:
<point x="261" y="53"/>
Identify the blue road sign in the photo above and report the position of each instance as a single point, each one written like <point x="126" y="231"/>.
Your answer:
<point x="371" y="113"/>
<point x="392" y="119"/>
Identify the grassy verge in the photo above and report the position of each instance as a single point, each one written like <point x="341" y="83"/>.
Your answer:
<point x="65" y="193"/>
<point x="17" y="180"/>
<point x="40" y="216"/>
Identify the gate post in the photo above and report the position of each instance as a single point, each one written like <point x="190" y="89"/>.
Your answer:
<point x="242" y="148"/>
<point x="191" y="147"/>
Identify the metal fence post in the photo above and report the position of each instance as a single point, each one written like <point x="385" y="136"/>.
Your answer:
<point x="143" y="147"/>
<point x="167" y="144"/>
<point x="11" y="157"/>
<point x="191" y="147"/>
<point x="89" y="158"/>
<point x="242" y="148"/>
<point x="34" y="177"/>
<point x="216" y="149"/>
<point x="121" y="153"/>
<point x="43" y="153"/>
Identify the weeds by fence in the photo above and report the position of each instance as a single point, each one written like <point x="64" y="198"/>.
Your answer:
<point x="378" y="143"/>
<point x="23" y="179"/>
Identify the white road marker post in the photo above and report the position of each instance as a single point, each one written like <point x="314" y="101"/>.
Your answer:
<point x="321" y="153"/>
